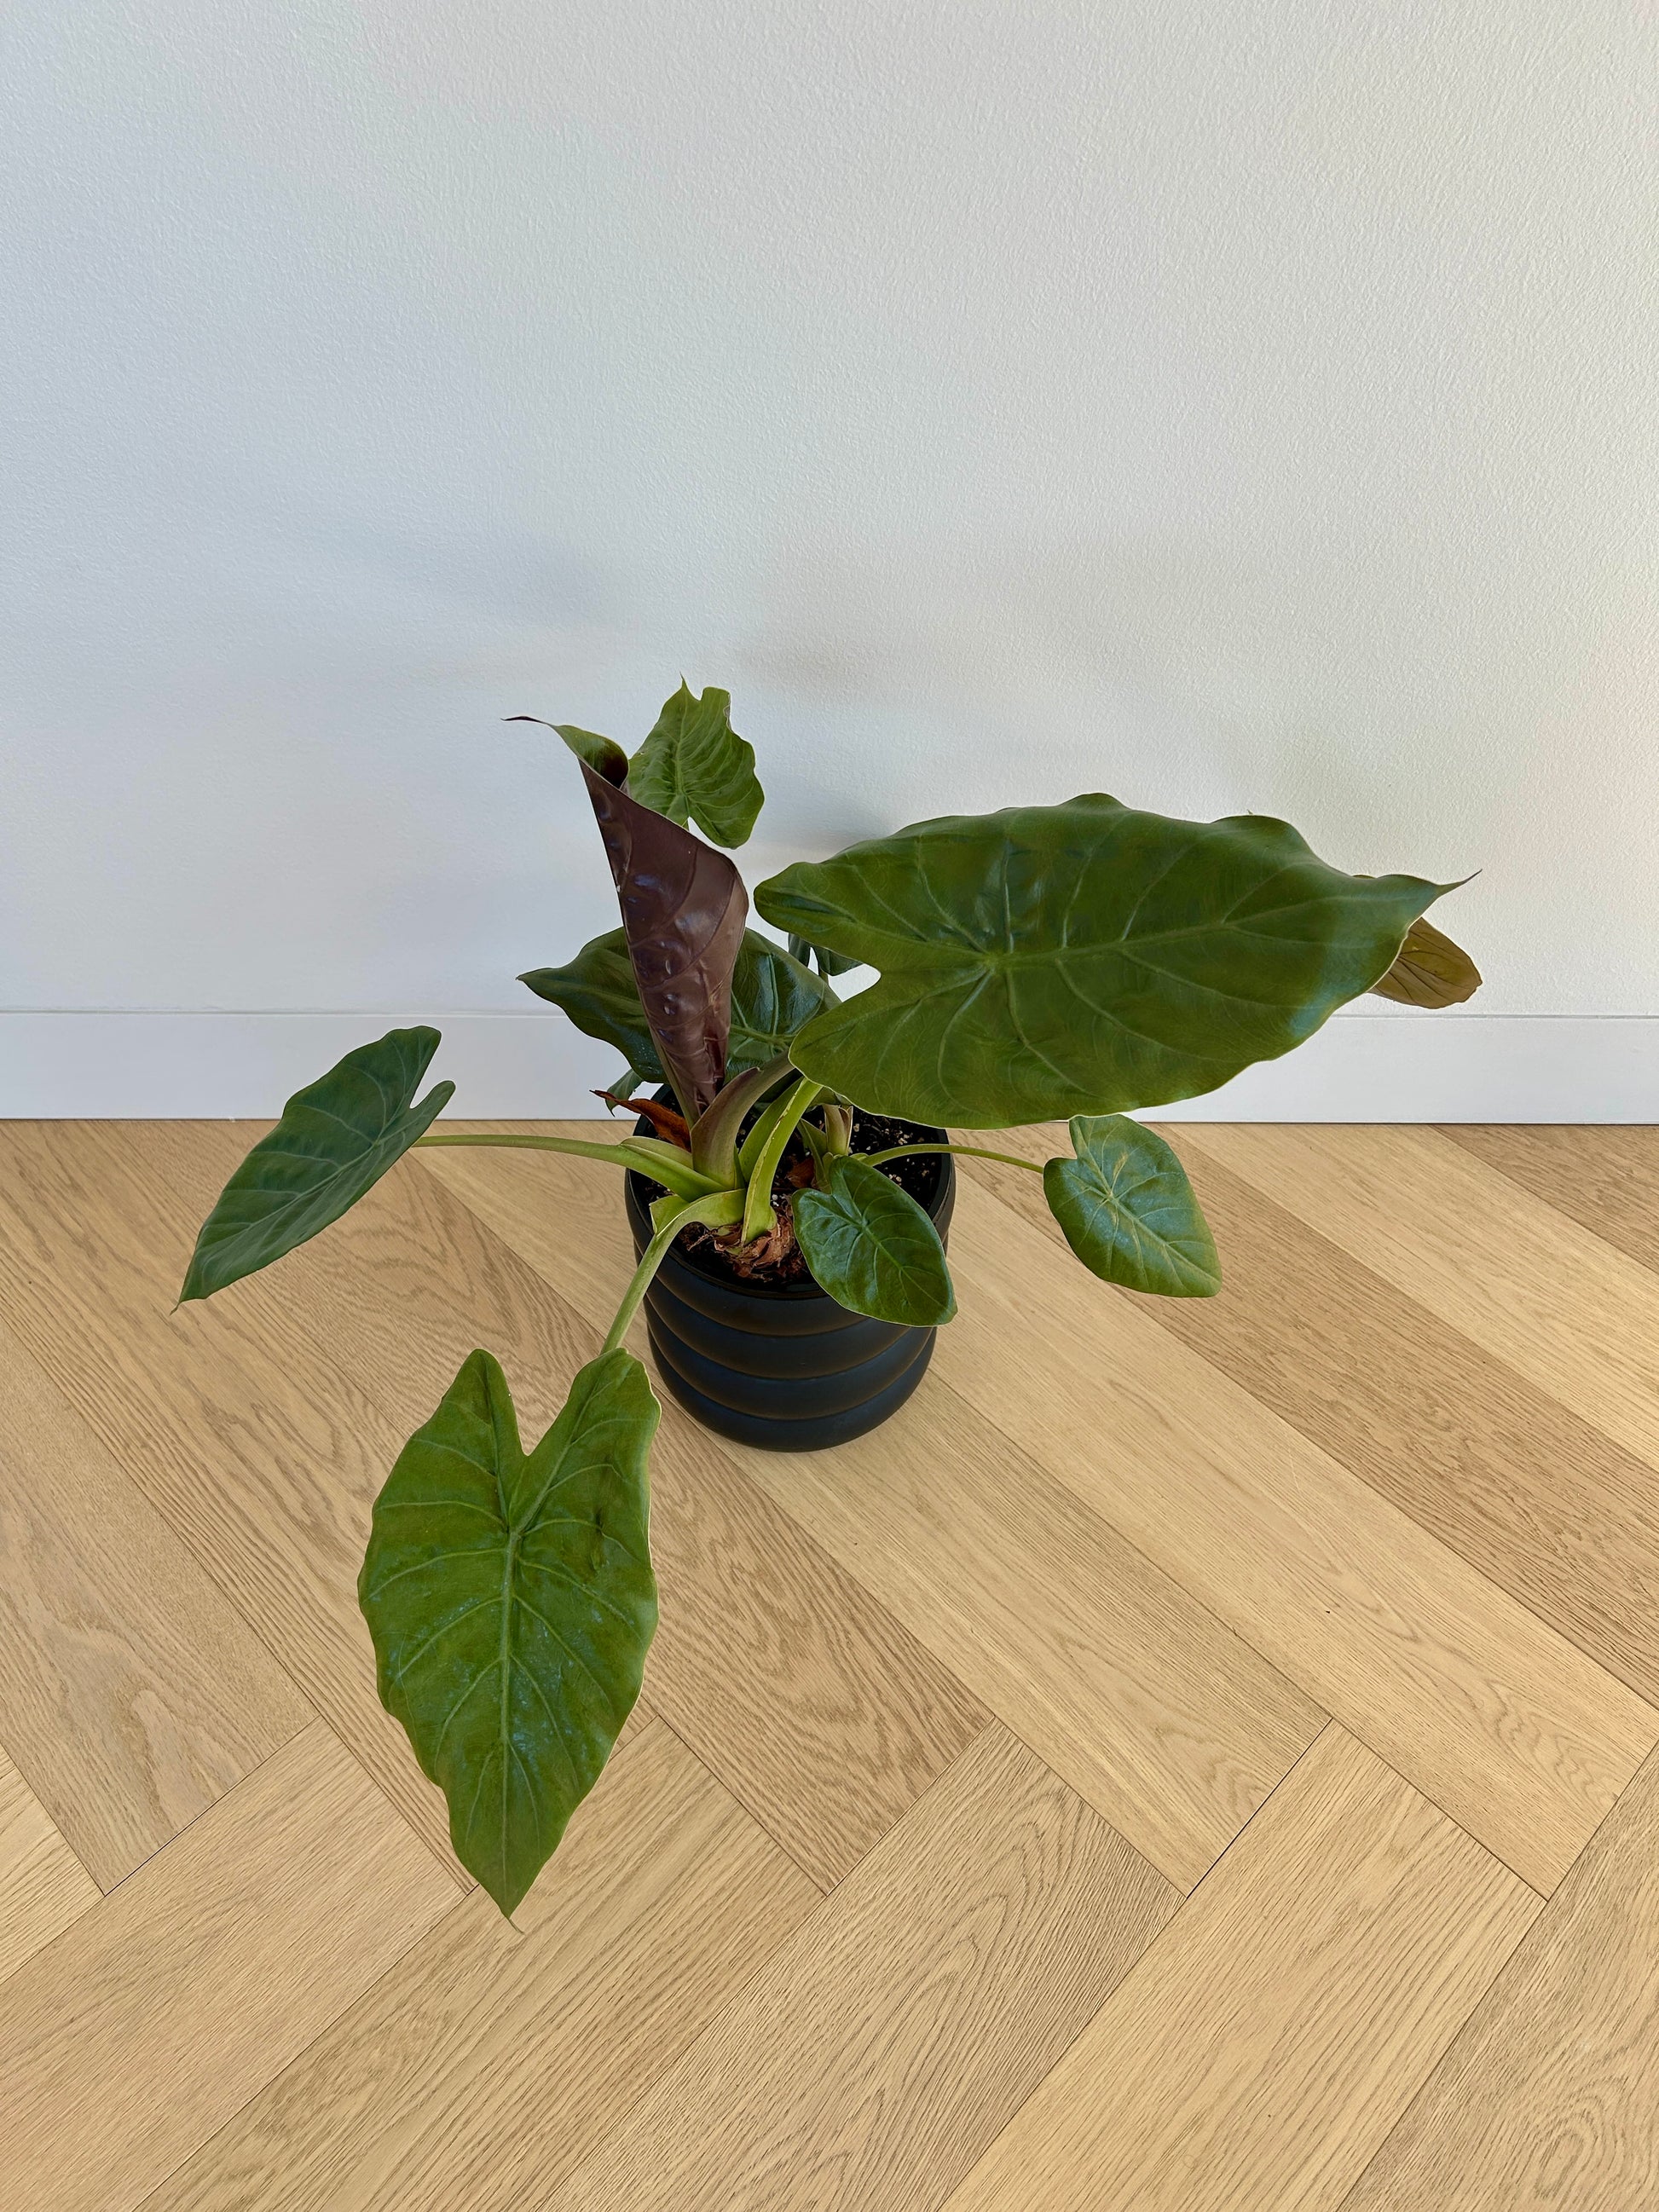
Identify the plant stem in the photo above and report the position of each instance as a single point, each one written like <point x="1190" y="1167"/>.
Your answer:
<point x="969" y="1151"/>
<point x="757" y="1205"/>
<point x="714" y="1132"/>
<point x="659" y="1163"/>
<point x="719" y="1209"/>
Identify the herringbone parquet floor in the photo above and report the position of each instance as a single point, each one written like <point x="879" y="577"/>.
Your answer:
<point x="1198" y="1757"/>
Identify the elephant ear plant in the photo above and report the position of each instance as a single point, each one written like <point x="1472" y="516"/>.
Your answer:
<point x="1066" y="962"/>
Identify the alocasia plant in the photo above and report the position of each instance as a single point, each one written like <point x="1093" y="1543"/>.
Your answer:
<point x="1074" y="961"/>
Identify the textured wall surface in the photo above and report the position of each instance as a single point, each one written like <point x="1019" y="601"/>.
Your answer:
<point x="1225" y="407"/>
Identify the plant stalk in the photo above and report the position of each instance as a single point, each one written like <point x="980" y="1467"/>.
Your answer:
<point x="718" y="1209"/>
<point x="757" y="1202"/>
<point x="967" y="1151"/>
<point x="647" y="1155"/>
<point x="714" y="1132"/>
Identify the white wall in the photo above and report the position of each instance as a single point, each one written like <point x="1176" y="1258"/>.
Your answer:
<point x="1244" y="406"/>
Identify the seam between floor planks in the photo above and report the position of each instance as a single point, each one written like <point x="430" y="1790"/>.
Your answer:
<point x="1242" y="1839"/>
<point x="1526" y="1809"/>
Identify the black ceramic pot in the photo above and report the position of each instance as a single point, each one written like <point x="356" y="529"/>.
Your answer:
<point x="789" y="1370"/>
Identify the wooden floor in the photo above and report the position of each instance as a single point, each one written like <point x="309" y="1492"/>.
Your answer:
<point x="1198" y="1757"/>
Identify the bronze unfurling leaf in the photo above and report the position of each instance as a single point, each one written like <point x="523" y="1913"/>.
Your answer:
<point x="1430" y="970"/>
<point x="684" y="907"/>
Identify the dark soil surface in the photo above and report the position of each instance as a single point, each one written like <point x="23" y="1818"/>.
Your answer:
<point x="920" y="1176"/>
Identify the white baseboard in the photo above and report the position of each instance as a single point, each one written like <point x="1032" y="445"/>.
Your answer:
<point x="1361" y="1067"/>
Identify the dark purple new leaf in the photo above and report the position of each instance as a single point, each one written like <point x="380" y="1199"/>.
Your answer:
<point x="684" y="907"/>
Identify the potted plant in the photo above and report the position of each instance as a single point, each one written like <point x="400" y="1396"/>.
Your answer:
<point x="788" y="1183"/>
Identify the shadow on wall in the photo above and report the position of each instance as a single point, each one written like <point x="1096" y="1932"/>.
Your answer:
<point x="1347" y="693"/>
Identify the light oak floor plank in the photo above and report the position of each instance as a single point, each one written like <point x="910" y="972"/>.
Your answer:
<point x="1259" y="2050"/>
<point x="1522" y="1279"/>
<point x="155" y="2015"/>
<point x="1528" y="1492"/>
<point x="493" y="2058"/>
<point x="936" y="1728"/>
<point x="820" y="1714"/>
<point x="264" y="1459"/>
<point x="43" y="1886"/>
<point x="135" y="1694"/>
<point x="1494" y="1715"/>
<point x="1172" y="1728"/>
<point x="867" y="2065"/>
<point x="1606" y="1178"/>
<point x="1548" y="2101"/>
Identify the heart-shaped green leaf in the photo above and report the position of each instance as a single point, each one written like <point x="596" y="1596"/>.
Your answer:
<point x="604" y="755"/>
<point x="335" y="1138"/>
<point x="871" y="1247"/>
<point x="1049" y="961"/>
<point x="1430" y="971"/>
<point x="511" y="1601"/>
<point x="771" y="996"/>
<point x="1128" y="1210"/>
<point x="695" y="767"/>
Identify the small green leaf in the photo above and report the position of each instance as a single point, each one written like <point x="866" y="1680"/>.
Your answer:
<point x="1128" y="1210"/>
<point x="1048" y="961"/>
<point x="871" y="1247"/>
<point x="511" y="1601"/>
<point x="1430" y="970"/>
<point x="603" y="755"/>
<point x="336" y="1138"/>
<point x="828" y="964"/>
<point x="771" y="996"/>
<point x="596" y="989"/>
<point x="695" y="767"/>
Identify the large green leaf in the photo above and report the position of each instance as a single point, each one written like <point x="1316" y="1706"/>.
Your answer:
<point x="695" y="767"/>
<point x="335" y="1138"/>
<point x="1128" y="1210"/>
<point x="827" y="964"/>
<point x="1048" y="961"/>
<point x="510" y="1601"/>
<point x="771" y="996"/>
<point x="871" y="1247"/>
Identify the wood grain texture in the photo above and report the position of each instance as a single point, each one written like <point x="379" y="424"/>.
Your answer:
<point x="490" y="2059"/>
<point x="867" y="2064"/>
<point x="43" y="1886"/>
<point x="1260" y="2050"/>
<point x="1607" y="1180"/>
<point x="879" y="1902"/>
<point x="262" y="1454"/>
<point x="1541" y="1502"/>
<point x="1172" y="1728"/>
<point x="135" y="1694"/>
<point x="1548" y="2101"/>
<point x="819" y="1711"/>
<point x="1522" y="1279"/>
<point x="1493" y="1715"/>
<point x="135" y="2035"/>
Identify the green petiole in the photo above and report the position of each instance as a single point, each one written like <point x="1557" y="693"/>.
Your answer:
<point x="718" y="1209"/>
<point x="967" y="1151"/>
<point x="757" y="1205"/>
<point x="648" y="1156"/>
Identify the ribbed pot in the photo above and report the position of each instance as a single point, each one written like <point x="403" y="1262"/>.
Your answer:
<point x="785" y="1369"/>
